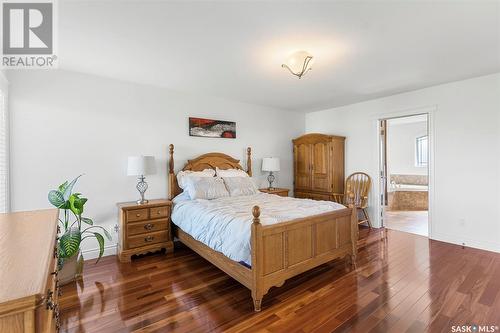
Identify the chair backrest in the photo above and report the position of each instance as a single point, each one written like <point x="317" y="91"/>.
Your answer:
<point x="359" y="183"/>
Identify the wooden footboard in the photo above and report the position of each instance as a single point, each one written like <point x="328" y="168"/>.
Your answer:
<point x="281" y="251"/>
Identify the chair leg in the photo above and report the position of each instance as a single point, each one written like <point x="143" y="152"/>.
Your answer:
<point x="367" y="217"/>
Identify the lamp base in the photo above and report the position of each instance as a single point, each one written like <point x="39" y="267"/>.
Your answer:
<point x="142" y="186"/>
<point x="270" y="179"/>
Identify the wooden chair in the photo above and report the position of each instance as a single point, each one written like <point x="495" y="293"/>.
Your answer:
<point x="359" y="183"/>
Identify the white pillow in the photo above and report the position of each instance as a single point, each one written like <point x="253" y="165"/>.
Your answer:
<point x="206" y="188"/>
<point x="239" y="186"/>
<point x="184" y="196"/>
<point x="183" y="176"/>
<point x="231" y="173"/>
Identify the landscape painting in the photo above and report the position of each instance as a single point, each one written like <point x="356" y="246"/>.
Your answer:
<point x="210" y="128"/>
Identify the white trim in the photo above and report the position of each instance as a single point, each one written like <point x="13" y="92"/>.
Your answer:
<point x="4" y="86"/>
<point x="109" y="250"/>
<point x="3" y="79"/>
<point x="430" y="111"/>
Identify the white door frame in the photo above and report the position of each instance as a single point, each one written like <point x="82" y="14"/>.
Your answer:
<point x="431" y="112"/>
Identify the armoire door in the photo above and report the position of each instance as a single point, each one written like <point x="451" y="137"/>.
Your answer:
<point x="321" y="167"/>
<point x="302" y="158"/>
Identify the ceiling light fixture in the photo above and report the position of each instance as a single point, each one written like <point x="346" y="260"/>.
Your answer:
<point x="299" y="63"/>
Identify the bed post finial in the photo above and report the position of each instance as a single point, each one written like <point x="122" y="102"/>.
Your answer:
<point x="249" y="161"/>
<point x="171" y="161"/>
<point x="256" y="214"/>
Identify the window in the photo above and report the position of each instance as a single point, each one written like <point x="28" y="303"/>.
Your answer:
<point x="4" y="150"/>
<point x="422" y="151"/>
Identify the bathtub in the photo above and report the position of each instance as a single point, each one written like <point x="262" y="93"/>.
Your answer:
<point x="408" y="197"/>
<point x="408" y="187"/>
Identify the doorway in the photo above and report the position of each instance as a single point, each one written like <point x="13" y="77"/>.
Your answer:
<point x="404" y="147"/>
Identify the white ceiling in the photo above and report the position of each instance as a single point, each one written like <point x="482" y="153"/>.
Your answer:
<point x="234" y="50"/>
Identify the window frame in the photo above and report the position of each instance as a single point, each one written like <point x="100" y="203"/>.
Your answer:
<point x="419" y="156"/>
<point x="5" y="114"/>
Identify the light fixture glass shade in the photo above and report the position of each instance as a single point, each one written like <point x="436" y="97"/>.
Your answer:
<point x="299" y="63"/>
<point x="141" y="165"/>
<point x="270" y="164"/>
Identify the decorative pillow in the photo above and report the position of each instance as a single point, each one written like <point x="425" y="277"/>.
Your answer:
<point x="181" y="197"/>
<point x="239" y="186"/>
<point x="231" y="173"/>
<point x="183" y="176"/>
<point x="206" y="188"/>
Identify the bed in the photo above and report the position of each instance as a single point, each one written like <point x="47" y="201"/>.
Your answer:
<point x="278" y="248"/>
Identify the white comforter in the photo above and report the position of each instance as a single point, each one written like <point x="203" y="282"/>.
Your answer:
<point x="224" y="224"/>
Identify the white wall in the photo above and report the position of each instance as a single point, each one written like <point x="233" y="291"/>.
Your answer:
<point x="401" y="147"/>
<point x="65" y="123"/>
<point x="466" y="127"/>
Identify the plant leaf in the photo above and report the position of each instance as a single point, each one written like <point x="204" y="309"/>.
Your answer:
<point x="87" y="220"/>
<point x="76" y="203"/>
<point x="70" y="242"/>
<point x="100" y="240"/>
<point x="108" y="235"/>
<point x="56" y="198"/>
<point x="63" y="186"/>
<point x="68" y="188"/>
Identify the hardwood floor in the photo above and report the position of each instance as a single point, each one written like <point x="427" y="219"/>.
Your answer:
<point x="405" y="283"/>
<point x="415" y="222"/>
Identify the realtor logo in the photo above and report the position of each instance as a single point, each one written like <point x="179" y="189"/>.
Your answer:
<point x="28" y="34"/>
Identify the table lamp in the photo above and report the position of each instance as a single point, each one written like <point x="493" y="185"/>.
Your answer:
<point x="271" y="164"/>
<point x="141" y="166"/>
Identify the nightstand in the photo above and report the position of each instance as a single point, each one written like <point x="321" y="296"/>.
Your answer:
<point x="278" y="191"/>
<point x="144" y="228"/>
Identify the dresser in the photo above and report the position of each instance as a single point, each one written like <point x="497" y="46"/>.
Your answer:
<point x="29" y="288"/>
<point x="144" y="228"/>
<point x="319" y="167"/>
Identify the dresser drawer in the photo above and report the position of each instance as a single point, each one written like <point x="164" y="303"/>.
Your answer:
<point x="147" y="226"/>
<point x="302" y="195"/>
<point x="137" y="215"/>
<point x="159" y="212"/>
<point x="324" y="197"/>
<point x="147" y="239"/>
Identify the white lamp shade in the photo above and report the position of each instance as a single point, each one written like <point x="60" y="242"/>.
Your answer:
<point x="141" y="165"/>
<point x="270" y="164"/>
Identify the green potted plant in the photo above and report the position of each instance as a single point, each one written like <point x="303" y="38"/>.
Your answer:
<point x="74" y="229"/>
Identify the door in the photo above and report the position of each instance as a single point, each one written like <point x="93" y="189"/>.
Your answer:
<point x="320" y="167"/>
<point x="383" y="170"/>
<point x="302" y="158"/>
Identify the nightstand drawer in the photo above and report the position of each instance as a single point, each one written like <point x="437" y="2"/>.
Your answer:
<point x="147" y="226"/>
<point x="147" y="239"/>
<point x="137" y="215"/>
<point x="159" y="212"/>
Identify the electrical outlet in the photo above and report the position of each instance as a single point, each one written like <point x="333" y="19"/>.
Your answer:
<point x="461" y="222"/>
<point x="117" y="228"/>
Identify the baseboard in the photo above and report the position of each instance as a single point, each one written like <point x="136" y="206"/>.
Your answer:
<point x="467" y="242"/>
<point x="109" y="250"/>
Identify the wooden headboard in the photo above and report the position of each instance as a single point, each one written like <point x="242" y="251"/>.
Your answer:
<point x="202" y="162"/>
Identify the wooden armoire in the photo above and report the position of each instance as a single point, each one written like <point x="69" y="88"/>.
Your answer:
<point x="319" y="167"/>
